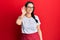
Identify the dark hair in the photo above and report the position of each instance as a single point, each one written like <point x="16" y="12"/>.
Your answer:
<point x="32" y="14"/>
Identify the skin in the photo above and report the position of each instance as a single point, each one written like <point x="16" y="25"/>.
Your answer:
<point x="28" y="14"/>
<point x="26" y="11"/>
<point x="29" y="10"/>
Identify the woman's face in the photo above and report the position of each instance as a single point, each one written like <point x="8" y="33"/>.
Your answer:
<point x="29" y="8"/>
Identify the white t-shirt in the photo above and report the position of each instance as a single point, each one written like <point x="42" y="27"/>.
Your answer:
<point x="29" y="25"/>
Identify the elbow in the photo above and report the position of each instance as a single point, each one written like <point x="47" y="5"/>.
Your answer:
<point x="18" y="23"/>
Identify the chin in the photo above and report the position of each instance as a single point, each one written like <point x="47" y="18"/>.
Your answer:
<point x="30" y="12"/>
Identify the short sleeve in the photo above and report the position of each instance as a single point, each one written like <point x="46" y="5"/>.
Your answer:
<point x="38" y="20"/>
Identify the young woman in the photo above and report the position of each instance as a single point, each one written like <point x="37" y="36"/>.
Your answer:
<point x="30" y="23"/>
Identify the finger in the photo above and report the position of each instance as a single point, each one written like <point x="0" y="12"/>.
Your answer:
<point x="23" y="7"/>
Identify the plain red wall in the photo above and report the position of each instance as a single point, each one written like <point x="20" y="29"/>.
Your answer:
<point x="47" y="10"/>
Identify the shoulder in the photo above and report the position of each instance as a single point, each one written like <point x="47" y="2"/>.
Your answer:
<point x="36" y="16"/>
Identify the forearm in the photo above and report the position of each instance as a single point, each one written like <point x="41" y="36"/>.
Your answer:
<point x="40" y="33"/>
<point x="19" y="20"/>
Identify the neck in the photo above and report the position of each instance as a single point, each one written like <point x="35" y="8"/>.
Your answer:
<point x="28" y="15"/>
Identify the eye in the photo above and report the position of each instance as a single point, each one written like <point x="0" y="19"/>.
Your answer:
<point x="29" y="7"/>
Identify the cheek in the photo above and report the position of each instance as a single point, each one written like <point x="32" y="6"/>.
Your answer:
<point x="29" y="10"/>
<point x="32" y="9"/>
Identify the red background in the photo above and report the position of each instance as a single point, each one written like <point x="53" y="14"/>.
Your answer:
<point x="47" y="10"/>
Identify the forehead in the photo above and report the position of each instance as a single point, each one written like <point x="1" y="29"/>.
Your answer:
<point x="30" y="4"/>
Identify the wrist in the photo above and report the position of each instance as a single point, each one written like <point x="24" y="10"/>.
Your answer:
<point x="41" y="39"/>
<point x="22" y="15"/>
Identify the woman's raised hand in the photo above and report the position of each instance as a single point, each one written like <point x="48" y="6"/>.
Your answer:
<point x="23" y="9"/>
